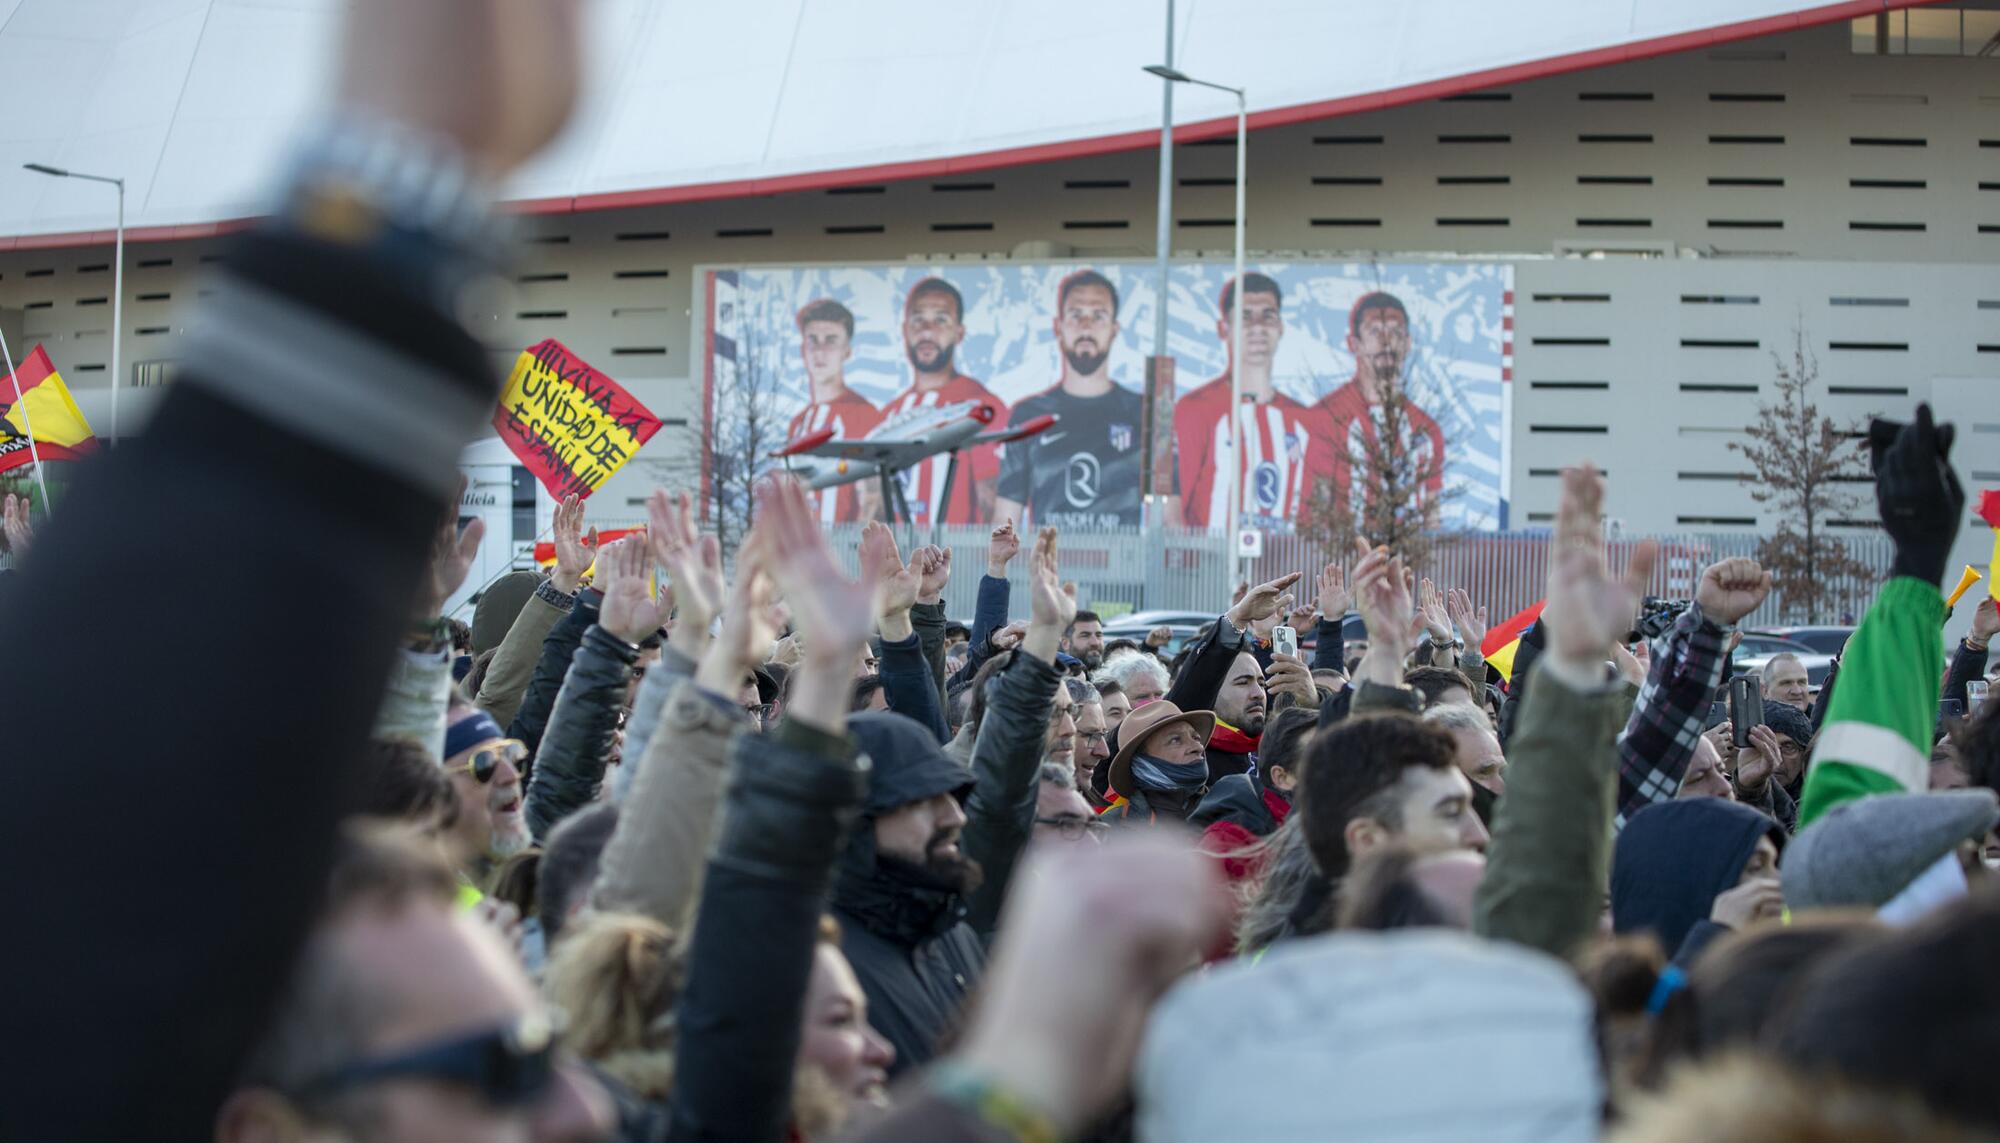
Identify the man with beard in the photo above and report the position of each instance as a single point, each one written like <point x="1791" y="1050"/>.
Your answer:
<point x="920" y="884"/>
<point x="1084" y="472"/>
<point x="1378" y="335"/>
<point x="826" y="342"/>
<point x="483" y="765"/>
<point x="933" y="325"/>
<point x="1280" y="437"/>
<point x="1085" y="640"/>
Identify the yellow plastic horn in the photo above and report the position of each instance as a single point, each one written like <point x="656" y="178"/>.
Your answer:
<point x="1965" y="580"/>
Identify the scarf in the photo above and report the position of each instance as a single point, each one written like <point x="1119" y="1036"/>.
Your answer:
<point x="1181" y="777"/>
<point x="1230" y="740"/>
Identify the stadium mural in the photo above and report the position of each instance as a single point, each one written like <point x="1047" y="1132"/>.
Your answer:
<point x="793" y="350"/>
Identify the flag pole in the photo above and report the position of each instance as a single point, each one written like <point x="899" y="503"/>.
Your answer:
<point x="27" y="423"/>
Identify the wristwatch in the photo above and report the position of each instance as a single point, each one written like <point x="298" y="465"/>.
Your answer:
<point x="405" y="197"/>
<point x="428" y="636"/>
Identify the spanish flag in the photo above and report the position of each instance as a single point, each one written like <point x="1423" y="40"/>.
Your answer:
<point x="44" y="402"/>
<point x="1505" y="638"/>
<point x="1989" y="511"/>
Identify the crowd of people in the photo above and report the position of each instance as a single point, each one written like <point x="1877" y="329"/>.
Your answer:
<point x="673" y="843"/>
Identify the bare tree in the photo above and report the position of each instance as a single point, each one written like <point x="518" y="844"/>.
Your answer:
<point x="1389" y="498"/>
<point x="743" y="424"/>
<point x="1806" y="470"/>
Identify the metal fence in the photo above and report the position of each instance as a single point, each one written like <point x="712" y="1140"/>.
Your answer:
<point x="1131" y="570"/>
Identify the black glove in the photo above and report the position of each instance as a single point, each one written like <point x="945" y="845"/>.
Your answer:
<point x="1917" y="493"/>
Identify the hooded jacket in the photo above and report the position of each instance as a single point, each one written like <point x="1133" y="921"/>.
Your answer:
<point x="912" y="945"/>
<point x="1671" y="861"/>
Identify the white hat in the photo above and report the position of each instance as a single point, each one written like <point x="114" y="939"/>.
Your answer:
<point x="1414" y="1035"/>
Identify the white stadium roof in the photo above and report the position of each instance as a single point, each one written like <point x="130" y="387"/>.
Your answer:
<point x="192" y="101"/>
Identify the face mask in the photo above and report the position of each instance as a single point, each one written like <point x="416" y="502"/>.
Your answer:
<point x="1153" y="774"/>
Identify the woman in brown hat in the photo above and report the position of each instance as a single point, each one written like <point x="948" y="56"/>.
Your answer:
<point x="1161" y="769"/>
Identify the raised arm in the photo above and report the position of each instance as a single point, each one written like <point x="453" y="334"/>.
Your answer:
<point x="1659" y="739"/>
<point x="653" y="863"/>
<point x="792" y="800"/>
<point x="1207" y="666"/>
<point x="583" y="727"/>
<point x="317" y="425"/>
<point x="531" y="721"/>
<point x="1329" y="643"/>
<point x="1550" y="856"/>
<point x="694" y="583"/>
<point x="1006" y="757"/>
<point x="419" y="689"/>
<point x="907" y="683"/>
<point x="1877" y="735"/>
<point x="514" y="663"/>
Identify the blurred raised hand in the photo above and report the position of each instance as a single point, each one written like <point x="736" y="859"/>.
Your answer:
<point x="575" y="551"/>
<point x="1588" y="607"/>
<point x="694" y="567"/>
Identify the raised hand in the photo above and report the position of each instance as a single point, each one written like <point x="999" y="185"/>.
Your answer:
<point x="1003" y="547"/>
<point x="1917" y="493"/>
<point x="878" y="556"/>
<point x="1288" y="675"/>
<point x="452" y="553"/>
<point x="1260" y="602"/>
<point x="693" y="562"/>
<point x="19" y="530"/>
<point x="1263" y="627"/>
<point x="1009" y="637"/>
<point x="629" y="610"/>
<point x="1430" y="607"/>
<point x="1985" y="617"/>
<point x="1334" y="598"/>
<point x="574" y="550"/>
<point x="1731" y="589"/>
<point x="1300" y="616"/>
<point x="1629" y="667"/>
<point x="934" y="564"/>
<point x="1759" y="899"/>
<point x="1471" y="624"/>
<point x="1053" y="601"/>
<point x="834" y="614"/>
<point x="1588" y="609"/>
<point x="749" y="622"/>
<point x="1756" y="762"/>
<point x="496" y="80"/>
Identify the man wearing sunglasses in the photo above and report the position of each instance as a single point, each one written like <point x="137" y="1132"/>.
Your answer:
<point x="484" y="767"/>
<point x="407" y="1019"/>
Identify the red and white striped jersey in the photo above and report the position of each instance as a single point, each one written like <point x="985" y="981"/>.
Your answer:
<point x="1283" y="452"/>
<point x="1352" y="425"/>
<point x="851" y="417"/>
<point x="924" y="483"/>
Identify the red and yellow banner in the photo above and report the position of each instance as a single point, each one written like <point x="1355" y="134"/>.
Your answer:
<point x="1989" y="511"/>
<point x="44" y="402"/>
<point x="571" y="425"/>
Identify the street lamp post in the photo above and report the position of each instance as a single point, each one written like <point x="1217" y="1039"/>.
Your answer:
<point x="117" y="274"/>
<point x="1236" y="300"/>
<point x="1160" y="371"/>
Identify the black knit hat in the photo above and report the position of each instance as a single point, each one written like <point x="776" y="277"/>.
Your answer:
<point x="906" y="763"/>
<point x="1789" y="721"/>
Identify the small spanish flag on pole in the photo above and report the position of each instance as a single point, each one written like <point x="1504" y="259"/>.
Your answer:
<point x="36" y="393"/>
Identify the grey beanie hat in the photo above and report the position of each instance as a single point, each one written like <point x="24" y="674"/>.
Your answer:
<point x="1866" y="851"/>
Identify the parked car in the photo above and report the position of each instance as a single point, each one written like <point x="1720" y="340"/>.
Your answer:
<point x="1187" y="626"/>
<point x="1825" y="639"/>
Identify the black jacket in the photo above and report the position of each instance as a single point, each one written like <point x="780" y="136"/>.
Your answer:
<point x="1238" y="799"/>
<point x="908" y="939"/>
<point x="343" y="531"/>
<point x="793" y="796"/>
<point x="558" y="652"/>
<point x="582" y="728"/>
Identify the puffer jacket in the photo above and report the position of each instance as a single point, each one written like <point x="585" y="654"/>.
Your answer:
<point x="1006" y="760"/>
<point x="582" y="729"/>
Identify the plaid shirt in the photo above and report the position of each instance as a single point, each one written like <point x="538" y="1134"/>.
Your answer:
<point x="1659" y="740"/>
